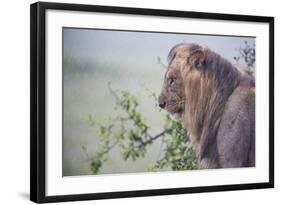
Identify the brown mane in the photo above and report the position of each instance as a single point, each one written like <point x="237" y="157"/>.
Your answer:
<point x="207" y="91"/>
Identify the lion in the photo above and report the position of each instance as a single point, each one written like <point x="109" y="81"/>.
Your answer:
<point x="215" y="102"/>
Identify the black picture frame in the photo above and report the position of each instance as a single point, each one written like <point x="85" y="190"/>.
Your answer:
<point x="38" y="101"/>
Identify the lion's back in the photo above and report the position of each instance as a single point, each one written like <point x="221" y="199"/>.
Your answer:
<point x="236" y="134"/>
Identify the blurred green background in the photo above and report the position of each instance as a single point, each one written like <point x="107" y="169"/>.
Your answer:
<point x="129" y="60"/>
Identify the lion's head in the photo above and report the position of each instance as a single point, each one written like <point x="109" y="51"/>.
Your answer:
<point x="173" y="96"/>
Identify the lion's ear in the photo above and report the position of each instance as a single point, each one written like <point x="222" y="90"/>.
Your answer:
<point x="196" y="56"/>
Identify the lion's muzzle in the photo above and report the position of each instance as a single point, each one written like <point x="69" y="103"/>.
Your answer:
<point x="161" y="102"/>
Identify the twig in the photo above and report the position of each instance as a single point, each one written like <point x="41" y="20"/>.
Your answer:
<point x="154" y="138"/>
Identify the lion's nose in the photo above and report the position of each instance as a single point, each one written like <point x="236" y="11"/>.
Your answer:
<point x="162" y="104"/>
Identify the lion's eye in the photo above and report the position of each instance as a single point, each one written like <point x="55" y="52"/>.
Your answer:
<point x="171" y="81"/>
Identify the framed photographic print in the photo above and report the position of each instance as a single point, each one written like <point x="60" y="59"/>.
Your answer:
<point x="129" y="102"/>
